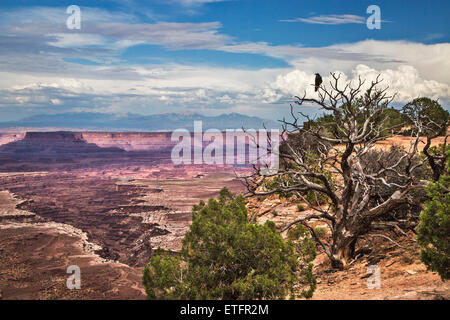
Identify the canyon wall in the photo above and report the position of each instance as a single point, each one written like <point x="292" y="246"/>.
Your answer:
<point x="10" y="137"/>
<point x="130" y="141"/>
<point x="43" y="150"/>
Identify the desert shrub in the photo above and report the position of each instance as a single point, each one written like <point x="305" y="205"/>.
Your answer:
<point x="305" y="248"/>
<point x="438" y="151"/>
<point x="389" y="120"/>
<point x="284" y="181"/>
<point x="394" y="121"/>
<point x="304" y="143"/>
<point x="224" y="256"/>
<point x="434" y="228"/>
<point x="375" y="160"/>
<point x="327" y="125"/>
<point x="320" y="231"/>
<point x="429" y="113"/>
<point x="436" y="158"/>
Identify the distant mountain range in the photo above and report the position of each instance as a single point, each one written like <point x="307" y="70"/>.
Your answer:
<point x="136" y="122"/>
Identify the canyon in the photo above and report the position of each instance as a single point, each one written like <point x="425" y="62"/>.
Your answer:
<point x="121" y="194"/>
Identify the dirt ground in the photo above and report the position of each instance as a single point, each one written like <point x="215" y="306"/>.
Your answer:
<point x="402" y="277"/>
<point x="404" y="141"/>
<point x="402" y="274"/>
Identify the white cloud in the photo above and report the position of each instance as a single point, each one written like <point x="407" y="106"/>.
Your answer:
<point x="72" y="85"/>
<point x="76" y="40"/>
<point x="172" y="35"/>
<point x="330" y="19"/>
<point x="109" y="30"/>
<point x="56" y="101"/>
<point x="405" y="81"/>
<point x="209" y="90"/>
<point x="431" y="60"/>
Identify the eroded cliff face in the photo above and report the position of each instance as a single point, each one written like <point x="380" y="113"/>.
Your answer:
<point x="10" y="137"/>
<point x="50" y="151"/>
<point x="58" y="143"/>
<point x="129" y="141"/>
<point x="57" y="136"/>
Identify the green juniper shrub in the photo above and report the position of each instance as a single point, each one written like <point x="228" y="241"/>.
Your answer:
<point x="434" y="229"/>
<point x="428" y="112"/>
<point x="224" y="256"/>
<point x="305" y="247"/>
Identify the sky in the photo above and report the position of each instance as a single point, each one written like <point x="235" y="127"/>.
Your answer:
<point x="212" y="56"/>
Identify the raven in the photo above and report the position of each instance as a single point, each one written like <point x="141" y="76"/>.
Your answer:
<point x="318" y="82"/>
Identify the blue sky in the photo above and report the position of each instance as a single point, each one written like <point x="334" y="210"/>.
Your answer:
<point x="212" y="56"/>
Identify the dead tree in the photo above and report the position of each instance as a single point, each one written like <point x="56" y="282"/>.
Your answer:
<point x="343" y="186"/>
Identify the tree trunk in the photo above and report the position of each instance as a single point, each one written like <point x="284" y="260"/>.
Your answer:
<point x="345" y="237"/>
<point x="343" y="251"/>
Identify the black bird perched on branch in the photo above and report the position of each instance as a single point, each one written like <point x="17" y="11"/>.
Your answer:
<point x="318" y="82"/>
